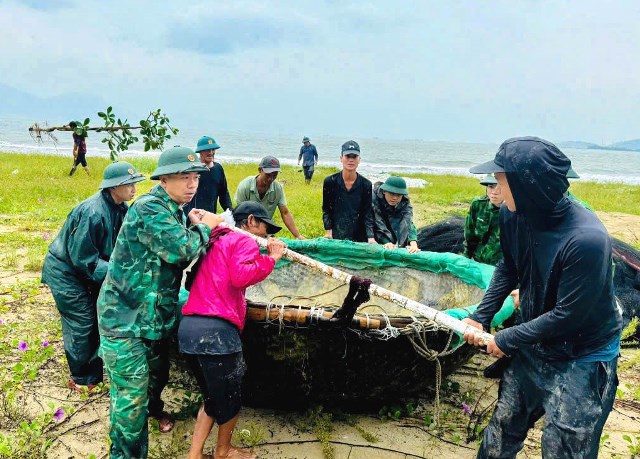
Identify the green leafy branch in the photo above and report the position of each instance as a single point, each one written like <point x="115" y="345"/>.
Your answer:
<point x="155" y="130"/>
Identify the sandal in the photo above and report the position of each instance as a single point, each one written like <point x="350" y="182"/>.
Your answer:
<point x="82" y="389"/>
<point x="165" y="421"/>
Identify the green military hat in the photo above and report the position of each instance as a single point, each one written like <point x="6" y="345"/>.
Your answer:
<point x="120" y="173"/>
<point x="395" y="185"/>
<point x="206" y="143"/>
<point x="488" y="179"/>
<point x="177" y="160"/>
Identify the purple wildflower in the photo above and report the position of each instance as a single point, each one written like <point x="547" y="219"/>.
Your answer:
<point x="1" y="322"/>
<point x="40" y="200"/>
<point x="466" y="409"/>
<point x="46" y="236"/>
<point x="58" y="414"/>
<point x="22" y="346"/>
<point x="45" y="343"/>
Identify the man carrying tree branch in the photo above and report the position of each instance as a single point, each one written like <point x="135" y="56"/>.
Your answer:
<point x="566" y="342"/>
<point x="79" y="149"/>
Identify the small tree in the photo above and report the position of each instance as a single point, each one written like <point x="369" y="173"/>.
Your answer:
<point x="155" y="130"/>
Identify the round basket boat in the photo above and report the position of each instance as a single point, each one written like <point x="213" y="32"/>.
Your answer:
<point x="296" y="356"/>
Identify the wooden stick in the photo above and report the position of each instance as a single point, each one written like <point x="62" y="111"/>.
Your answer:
<point x="70" y="129"/>
<point x="294" y="314"/>
<point x="425" y="311"/>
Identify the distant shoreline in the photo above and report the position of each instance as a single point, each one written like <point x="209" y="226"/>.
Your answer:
<point x="375" y="170"/>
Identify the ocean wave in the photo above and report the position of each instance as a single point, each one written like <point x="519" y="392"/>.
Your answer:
<point x="595" y="171"/>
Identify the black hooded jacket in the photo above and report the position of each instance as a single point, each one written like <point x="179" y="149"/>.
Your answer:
<point x="559" y="253"/>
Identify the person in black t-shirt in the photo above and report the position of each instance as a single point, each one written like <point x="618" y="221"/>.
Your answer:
<point x="346" y="200"/>
<point x="213" y="183"/>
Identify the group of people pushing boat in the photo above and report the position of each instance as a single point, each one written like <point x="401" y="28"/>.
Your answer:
<point x="115" y="273"/>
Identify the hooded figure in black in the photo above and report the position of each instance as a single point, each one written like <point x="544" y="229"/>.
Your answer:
<point x="566" y="341"/>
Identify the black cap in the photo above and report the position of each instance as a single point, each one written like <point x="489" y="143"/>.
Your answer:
<point x="246" y="208"/>
<point x="490" y="167"/>
<point x="572" y="174"/>
<point x="350" y="148"/>
<point x="269" y="164"/>
<point x="516" y="144"/>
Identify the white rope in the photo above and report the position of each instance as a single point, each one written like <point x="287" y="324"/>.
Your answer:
<point x="376" y="290"/>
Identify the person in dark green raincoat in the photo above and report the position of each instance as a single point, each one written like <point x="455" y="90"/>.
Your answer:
<point x="482" y="230"/>
<point x="393" y="215"/>
<point x="76" y="265"/>
<point x="137" y="306"/>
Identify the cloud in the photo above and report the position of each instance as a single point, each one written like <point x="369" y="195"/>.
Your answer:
<point x="237" y="26"/>
<point x="47" y="5"/>
<point x="465" y="70"/>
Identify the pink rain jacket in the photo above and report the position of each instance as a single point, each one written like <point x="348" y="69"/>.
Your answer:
<point x="231" y="264"/>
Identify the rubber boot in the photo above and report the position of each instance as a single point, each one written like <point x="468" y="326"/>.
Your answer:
<point x="86" y="169"/>
<point x="72" y="171"/>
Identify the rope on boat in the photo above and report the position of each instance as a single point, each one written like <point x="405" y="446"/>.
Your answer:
<point x="416" y="332"/>
<point x="376" y="290"/>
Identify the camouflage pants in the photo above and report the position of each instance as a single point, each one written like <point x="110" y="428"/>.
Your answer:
<point x="574" y="397"/>
<point x="138" y="369"/>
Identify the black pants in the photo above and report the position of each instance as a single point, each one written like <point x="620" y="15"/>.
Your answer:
<point x="80" y="159"/>
<point x="574" y="397"/>
<point x="308" y="172"/>
<point x="220" y="381"/>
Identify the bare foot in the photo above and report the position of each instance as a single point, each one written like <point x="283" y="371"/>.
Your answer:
<point x="201" y="456"/>
<point x="236" y="453"/>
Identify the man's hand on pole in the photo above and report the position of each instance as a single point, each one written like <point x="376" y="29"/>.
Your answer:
<point x="471" y="338"/>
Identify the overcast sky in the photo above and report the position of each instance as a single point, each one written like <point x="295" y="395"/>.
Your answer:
<point x="447" y="70"/>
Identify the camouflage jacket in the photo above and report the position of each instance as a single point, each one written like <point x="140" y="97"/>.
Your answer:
<point x="482" y="232"/>
<point x="140" y="293"/>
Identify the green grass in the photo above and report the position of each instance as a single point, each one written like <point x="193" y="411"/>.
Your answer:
<point x="34" y="203"/>
<point x="37" y="198"/>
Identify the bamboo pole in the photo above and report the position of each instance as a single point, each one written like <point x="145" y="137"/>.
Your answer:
<point x="425" y="311"/>
<point x="293" y="314"/>
<point x="70" y="129"/>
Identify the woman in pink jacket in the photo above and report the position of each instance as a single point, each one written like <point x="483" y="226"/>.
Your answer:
<point x="214" y="317"/>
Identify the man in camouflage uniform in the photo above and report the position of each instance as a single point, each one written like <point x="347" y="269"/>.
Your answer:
<point x="482" y="230"/>
<point x="137" y="303"/>
<point x="76" y="264"/>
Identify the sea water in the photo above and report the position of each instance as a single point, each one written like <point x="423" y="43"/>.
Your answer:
<point x="379" y="156"/>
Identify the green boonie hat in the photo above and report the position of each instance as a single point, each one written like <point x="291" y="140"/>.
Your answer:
<point x="488" y="179"/>
<point x="395" y="185"/>
<point x="120" y="173"/>
<point x="206" y="143"/>
<point x="177" y="160"/>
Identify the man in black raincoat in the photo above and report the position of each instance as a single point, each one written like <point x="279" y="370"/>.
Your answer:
<point x="566" y="342"/>
<point x="76" y="265"/>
